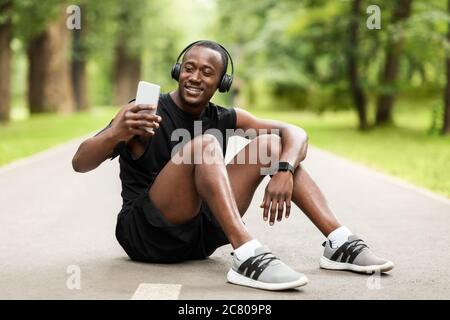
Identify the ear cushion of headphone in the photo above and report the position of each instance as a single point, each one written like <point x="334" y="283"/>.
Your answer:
<point x="176" y="71"/>
<point x="225" y="83"/>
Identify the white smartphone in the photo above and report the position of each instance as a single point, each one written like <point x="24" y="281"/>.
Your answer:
<point x="148" y="93"/>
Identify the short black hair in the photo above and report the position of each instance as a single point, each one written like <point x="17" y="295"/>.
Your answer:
<point x="216" y="47"/>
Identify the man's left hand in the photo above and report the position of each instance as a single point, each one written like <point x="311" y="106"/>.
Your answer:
<point x="278" y="196"/>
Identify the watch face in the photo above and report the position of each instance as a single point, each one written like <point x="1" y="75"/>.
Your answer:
<point x="283" y="166"/>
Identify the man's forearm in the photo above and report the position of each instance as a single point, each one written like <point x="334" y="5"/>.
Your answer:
<point x="294" y="141"/>
<point x="93" y="151"/>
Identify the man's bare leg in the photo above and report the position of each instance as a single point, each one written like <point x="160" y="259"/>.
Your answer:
<point x="216" y="181"/>
<point x="245" y="178"/>
<point x="251" y="263"/>
<point x="310" y="199"/>
<point x="244" y="170"/>
<point x="189" y="183"/>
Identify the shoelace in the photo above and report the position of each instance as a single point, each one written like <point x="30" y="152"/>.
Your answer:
<point x="263" y="258"/>
<point x="356" y="245"/>
<point x="349" y="251"/>
<point x="261" y="254"/>
<point x="255" y="265"/>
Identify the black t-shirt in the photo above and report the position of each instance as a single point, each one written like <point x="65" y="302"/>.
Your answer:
<point x="137" y="175"/>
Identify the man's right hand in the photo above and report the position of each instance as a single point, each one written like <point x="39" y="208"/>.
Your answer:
<point x="132" y="120"/>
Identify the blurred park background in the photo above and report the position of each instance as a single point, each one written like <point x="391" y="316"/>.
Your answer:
<point x="370" y="85"/>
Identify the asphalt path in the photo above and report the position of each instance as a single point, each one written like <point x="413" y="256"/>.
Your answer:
<point x="57" y="237"/>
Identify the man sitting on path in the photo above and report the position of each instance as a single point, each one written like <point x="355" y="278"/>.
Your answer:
<point x="181" y="201"/>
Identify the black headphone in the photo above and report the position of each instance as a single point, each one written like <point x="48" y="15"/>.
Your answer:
<point x="225" y="82"/>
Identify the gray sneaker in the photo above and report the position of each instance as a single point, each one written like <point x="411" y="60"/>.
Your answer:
<point x="353" y="255"/>
<point x="264" y="271"/>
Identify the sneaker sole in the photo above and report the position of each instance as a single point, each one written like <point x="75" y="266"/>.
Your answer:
<point x="333" y="265"/>
<point x="236" y="278"/>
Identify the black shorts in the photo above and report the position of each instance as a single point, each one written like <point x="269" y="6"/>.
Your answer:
<point x="147" y="236"/>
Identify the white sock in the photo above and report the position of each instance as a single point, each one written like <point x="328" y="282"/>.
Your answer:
<point x="339" y="236"/>
<point x="247" y="250"/>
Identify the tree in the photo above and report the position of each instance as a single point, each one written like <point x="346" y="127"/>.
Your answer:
<point x="42" y="27"/>
<point x="93" y="42"/>
<point x="78" y="64"/>
<point x="127" y="72"/>
<point x="394" y="48"/>
<point x="446" y="125"/>
<point x="5" y="59"/>
<point x="240" y="30"/>
<point x="49" y="80"/>
<point x="357" y="91"/>
<point x="128" y="50"/>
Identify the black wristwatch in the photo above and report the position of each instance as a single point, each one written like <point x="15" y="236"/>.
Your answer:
<point x="285" y="166"/>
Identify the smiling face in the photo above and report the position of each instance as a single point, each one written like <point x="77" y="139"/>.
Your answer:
<point x="201" y="71"/>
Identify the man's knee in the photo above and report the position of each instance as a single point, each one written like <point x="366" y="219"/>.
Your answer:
<point x="206" y="147"/>
<point x="208" y="140"/>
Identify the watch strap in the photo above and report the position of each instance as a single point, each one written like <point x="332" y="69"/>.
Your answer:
<point x="285" y="166"/>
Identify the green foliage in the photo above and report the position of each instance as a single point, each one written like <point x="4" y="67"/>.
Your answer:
<point x="298" y="49"/>
<point x="30" y="17"/>
<point x="287" y="53"/>
<point x="98" y="19"/>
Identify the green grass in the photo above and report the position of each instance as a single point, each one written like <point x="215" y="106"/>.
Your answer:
<point x="24" y="137"/>
<point x="406" y="151"/>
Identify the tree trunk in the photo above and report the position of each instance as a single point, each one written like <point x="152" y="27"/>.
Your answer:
<point x="446" y="125"/>
<point x="79" y="73"/>
<point x="127" y="73"/>
<point x="5" y="62"/>
<point x="49" y="82"/>
<point x="358" y="95"/>
<point x="386" y="99"/>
